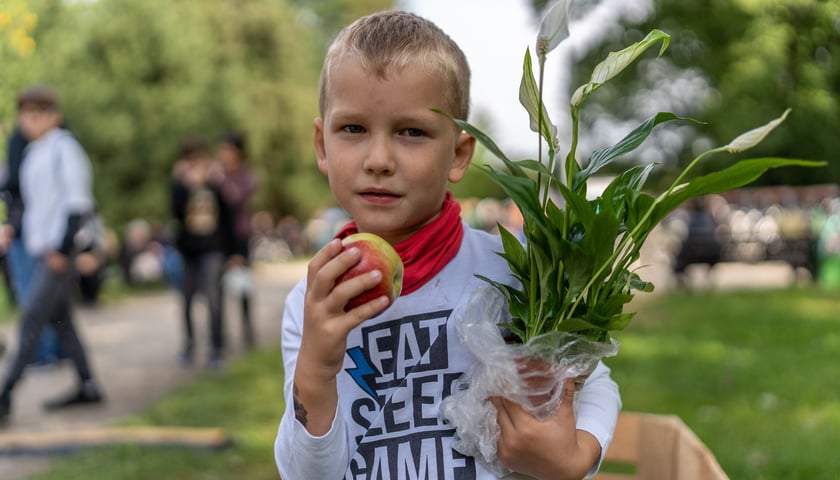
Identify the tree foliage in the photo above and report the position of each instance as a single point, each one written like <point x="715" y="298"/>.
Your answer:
<point x="744" y="62"/>
<point x="17" y="23"/>
<point x="135" y="77"/>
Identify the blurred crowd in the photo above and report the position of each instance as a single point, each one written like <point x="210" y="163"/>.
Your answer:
<point x="796" y="225"/>
<point x="800" y="226"/>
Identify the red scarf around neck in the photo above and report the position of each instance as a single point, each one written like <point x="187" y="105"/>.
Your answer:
<point x="429" y="249"/>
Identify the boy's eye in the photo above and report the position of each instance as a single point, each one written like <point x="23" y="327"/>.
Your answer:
<point x="353" y="129"/>
<point x="413" y="132"/>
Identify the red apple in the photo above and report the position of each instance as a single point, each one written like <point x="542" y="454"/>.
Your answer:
<point x="376" y="254"/>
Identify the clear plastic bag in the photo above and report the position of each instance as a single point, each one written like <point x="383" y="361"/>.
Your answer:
<point x="531" y="374"/>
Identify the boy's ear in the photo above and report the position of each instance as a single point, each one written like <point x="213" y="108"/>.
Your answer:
<point x="464" y="149"/>
<point x="320" y="150"/>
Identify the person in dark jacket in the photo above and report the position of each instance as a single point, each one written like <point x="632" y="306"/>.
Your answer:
<point x="205" y="240"/>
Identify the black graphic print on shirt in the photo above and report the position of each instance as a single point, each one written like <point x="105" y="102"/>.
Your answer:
<point x="402" y="366"/>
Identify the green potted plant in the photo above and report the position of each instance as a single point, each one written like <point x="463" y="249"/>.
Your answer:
<point x="575" y="269"/>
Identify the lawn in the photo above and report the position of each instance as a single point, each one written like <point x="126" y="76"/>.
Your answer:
<point x="246" y="400"/>
<point x="752" y="373"/>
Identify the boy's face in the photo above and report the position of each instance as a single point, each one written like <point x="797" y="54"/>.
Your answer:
<point x="388" y="157"/>
<point x="36" y="121"/>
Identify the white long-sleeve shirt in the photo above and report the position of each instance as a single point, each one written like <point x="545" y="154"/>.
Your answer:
<point x="397" y="368"/>
<point x="55" y="181"/>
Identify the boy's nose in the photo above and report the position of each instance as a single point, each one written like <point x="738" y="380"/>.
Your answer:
<point x="380" y="159"/>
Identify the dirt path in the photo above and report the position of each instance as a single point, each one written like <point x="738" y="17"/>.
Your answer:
<point x="133" y="345"/>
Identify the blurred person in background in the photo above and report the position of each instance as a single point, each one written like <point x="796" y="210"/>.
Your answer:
<point x="19" y="263"/>
<point x="238" y="186"/>
<point x="56" y="187"/>
<point x="204" y="238"/>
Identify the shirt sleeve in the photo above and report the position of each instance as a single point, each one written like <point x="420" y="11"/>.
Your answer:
<point x="297" y="453"/>
<point x="76" y="175"/>
<point x="599" y="403"/>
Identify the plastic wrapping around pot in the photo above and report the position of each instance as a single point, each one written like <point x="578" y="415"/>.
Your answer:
<point x="531" y="374"/>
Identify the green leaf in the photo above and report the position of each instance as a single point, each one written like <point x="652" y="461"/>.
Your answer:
<point x="517" y="305"/>
<point x="599" y="240"/>
<point x="605" y="156"/>
<point x="738" y="175"/>
<point x="640" y="285"/>
<point x="630" y="182"/>
<point x="616" y="62"/>
<point x="580" y="206"/>
<point x="579" y="269"/>
<point x="612" y="303"/>
<point x="615" y="322"/>
<point x="523" y="191"/>
<point x="637" y="209"/>
<point x="577" y="324"/>
<point x="536" y="166"/>
<point x="482" y="137"/>
<point x="556" y="216"/>
<point x="529" y="97"/>
<point x="514" y="251"/>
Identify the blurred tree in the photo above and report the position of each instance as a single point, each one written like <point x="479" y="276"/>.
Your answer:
<point x="17" y="24"/>
<point x="146" y="73"/>
<point x="735" y="65"/>
<point x="137" y="76"/>
<point x="330" y="16"/>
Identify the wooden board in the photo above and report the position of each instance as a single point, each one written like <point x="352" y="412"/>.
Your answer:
<point x="58" y="442"/>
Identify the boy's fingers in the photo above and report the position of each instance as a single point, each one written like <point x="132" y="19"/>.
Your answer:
<point x="502" y="414"/>
<point x="369" y="309"/>
<point x="570" y="386"/>
<point x="321" y="257"/>
<point x="327" y="265"/>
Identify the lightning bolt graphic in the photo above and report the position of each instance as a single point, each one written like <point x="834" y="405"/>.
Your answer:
<point x="362" y="369"/>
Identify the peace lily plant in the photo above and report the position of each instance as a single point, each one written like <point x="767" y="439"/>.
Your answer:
<point x="575" y="266"/>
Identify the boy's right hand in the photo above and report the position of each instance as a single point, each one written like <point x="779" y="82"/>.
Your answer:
<point x="325" y="323"/>
<point x="325" y="329"/>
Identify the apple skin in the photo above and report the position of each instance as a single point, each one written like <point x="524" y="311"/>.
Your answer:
<point x="376" y="254"/>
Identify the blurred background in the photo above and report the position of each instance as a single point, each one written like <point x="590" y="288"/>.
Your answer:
<point x="137" y="76"/>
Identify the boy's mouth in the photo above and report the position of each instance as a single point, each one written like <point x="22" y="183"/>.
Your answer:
<point x="379" y="195"/>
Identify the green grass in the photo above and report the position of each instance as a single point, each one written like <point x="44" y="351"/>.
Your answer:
<point x="246" y="400"/>
<point x="752" y="373"/>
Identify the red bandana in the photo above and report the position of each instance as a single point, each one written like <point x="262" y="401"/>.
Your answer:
<point x="429" y="249"/>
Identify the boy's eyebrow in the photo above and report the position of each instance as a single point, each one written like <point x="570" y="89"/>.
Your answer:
<point x="418" y="115"/>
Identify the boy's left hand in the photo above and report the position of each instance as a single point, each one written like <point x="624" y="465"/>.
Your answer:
<point x="552" y="449"/>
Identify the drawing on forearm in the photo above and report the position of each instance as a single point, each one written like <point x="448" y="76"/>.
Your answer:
<point x="300" y="410"/>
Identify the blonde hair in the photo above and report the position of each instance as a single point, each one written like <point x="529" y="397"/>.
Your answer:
<point x="396" y="39"/>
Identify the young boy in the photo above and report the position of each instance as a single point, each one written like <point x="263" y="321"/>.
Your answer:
<point x="363" y="387"/>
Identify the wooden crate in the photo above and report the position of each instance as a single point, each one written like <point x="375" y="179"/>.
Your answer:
<point x="658" y="447"/>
